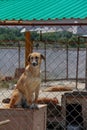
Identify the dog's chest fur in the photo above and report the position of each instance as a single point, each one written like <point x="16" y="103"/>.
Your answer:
<point x="30" y="79"/>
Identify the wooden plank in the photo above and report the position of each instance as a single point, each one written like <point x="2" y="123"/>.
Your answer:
<point x="4" y="122"/>
<point x="24" y="119"/>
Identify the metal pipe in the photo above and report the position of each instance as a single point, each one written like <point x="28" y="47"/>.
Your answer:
<point x="45" y="61"/>
<point x="77" y="62"/>
<point x="39" y="23"/>
<point x="19" y="55"/>
<point x="67" y="60"/>
<point x="86" y="71"/>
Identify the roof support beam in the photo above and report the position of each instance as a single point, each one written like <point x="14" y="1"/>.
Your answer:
<point x="28" y="46"/>
<point x="63" y="22"/>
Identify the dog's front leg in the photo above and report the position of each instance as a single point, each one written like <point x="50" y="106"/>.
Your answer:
<point x="29" y="98"/>
<point x="36" y="94"/>
<point x="34" y="105"/>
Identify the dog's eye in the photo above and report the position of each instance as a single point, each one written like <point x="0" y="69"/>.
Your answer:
<point x="36" y="58"/>
<point x="31" y="58"/>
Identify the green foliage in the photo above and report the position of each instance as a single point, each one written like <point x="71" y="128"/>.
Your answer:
<point x="35" y="36"/>
<point x="10" y="35"/>
<point x="61" y="37"/>
<point x="64" y="37"/>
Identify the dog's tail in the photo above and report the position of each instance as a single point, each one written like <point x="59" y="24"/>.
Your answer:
<point x="6" y="100"/>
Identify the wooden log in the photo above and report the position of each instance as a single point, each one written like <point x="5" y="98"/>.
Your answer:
<point x="28" y="46"/>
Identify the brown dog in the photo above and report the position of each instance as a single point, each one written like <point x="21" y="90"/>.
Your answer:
<point x="27" y="89"/>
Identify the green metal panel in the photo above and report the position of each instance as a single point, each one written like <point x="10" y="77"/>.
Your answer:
<point x="42" y="9"/>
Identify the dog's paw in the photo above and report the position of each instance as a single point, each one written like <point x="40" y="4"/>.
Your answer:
<point x="34" y="107"/>
<point x="25" y="105"/>
<point x="6" y="100"/>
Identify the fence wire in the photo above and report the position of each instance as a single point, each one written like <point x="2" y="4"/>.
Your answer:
<point x="63" y="73"/>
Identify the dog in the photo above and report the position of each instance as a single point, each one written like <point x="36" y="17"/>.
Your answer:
<point x="26" y="92"/>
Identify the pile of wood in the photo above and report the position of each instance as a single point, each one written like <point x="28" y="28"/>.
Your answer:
<point x="58" y="88"/>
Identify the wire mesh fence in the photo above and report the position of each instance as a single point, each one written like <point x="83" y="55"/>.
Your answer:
<point x="63" y="73"/>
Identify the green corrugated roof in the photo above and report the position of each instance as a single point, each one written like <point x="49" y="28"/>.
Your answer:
<point x="42" y="9"/>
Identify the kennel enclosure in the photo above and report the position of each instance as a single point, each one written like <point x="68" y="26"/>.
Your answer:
<point x="66" y="55"/>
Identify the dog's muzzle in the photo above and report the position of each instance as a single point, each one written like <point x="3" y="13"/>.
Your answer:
<point x="34" y="63"/>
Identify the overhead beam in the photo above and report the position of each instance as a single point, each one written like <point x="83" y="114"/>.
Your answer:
<point x="56" y="22"/>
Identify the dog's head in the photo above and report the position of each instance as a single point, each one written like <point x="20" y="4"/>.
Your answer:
<point x="35" y="59"/>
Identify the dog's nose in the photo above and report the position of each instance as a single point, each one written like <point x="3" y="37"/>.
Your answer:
<point x="34" y="64"/>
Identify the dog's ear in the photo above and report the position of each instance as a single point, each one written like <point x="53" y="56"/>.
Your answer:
<point x="28" y="59"/>
<point x="42" y="57"/>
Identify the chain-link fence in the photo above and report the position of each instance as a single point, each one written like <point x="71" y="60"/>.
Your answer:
<point x="63" y="73"/>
